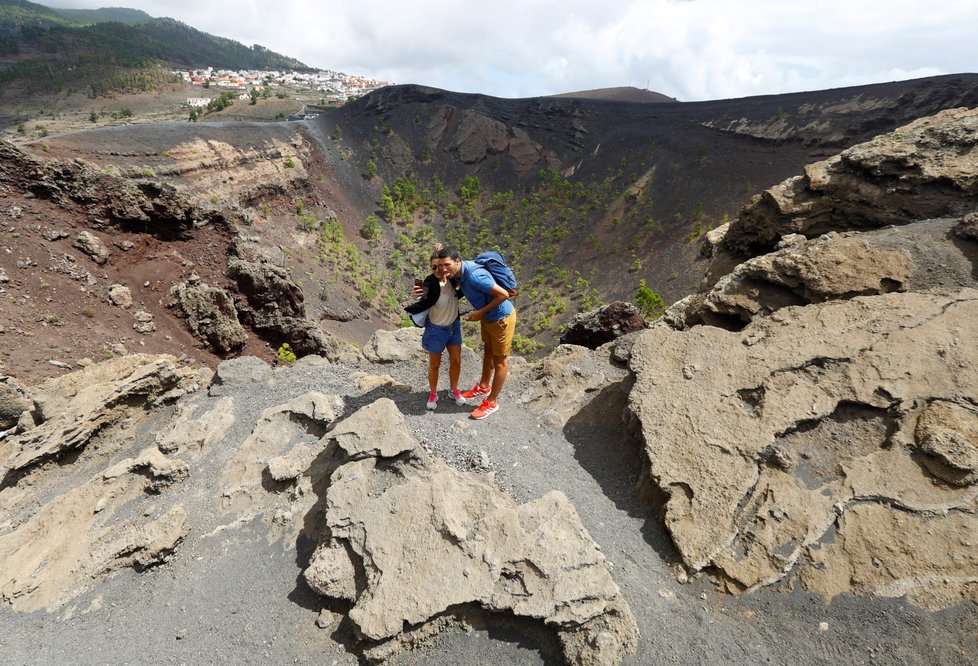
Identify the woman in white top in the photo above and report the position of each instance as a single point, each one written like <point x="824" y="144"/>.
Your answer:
<point x="438" y="299"/>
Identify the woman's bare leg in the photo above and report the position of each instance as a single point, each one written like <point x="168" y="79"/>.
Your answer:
<point x="434" y="365"/>
<point x="454" y="365"/>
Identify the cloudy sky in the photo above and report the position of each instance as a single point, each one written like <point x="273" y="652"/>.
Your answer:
<point x="688" y="49"/>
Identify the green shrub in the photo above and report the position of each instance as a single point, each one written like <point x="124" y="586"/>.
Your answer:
<point x="649" y="302"/>
<point x="285" y="354"/>
<point x="525" y="345"/>
<point x="370" y="228"/>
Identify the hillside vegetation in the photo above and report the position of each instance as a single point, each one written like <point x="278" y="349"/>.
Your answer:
<point x="115" y="50"/>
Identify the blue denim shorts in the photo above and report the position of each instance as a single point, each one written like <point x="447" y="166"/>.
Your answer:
<point x="435" y="338"/>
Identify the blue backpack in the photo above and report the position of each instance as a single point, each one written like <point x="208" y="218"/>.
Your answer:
<point x="500" y="272"/>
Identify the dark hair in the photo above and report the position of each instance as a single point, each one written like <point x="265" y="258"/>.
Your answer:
<point x="443" y="252"/>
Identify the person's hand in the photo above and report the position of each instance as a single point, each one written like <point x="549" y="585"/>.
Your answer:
<point x="417" y="292"/>
<point x="475" y="315"/>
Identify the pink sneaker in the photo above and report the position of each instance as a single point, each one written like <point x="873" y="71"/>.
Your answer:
<point x="432" y="400"/>
<point x="458" y="397"/>
<point x="476" y="392"/>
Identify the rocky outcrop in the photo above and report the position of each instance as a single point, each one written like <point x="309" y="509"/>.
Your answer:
<point x="473" y="137"/>
<point x="282" y="442"/>
<point x="107" y="194"/>
<point x="855" y="224"/>
<point x="61" y="538"/>
<point x="813" y="414"/>
<point x="926" y="169"/>
<point x="267" y="287"/>
<point x="765" y="439"/>
<point x="395" y="503"/>
<point x="274" y="307"/>
<point x="801" y="272"/>
<point x="71" y="542"/>
<point x="210" y="315"/>
<point x="70" y="410"/>
<point x="597" y="327"/>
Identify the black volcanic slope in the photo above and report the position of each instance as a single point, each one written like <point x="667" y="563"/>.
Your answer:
<point x="688" y="166"/>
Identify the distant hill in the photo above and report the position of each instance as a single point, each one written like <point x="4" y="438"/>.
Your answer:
<point x="16" y="14"/>
<point x="620" y="94"/>
<point x="104" y="15"/>
<point x="48" y="49"/>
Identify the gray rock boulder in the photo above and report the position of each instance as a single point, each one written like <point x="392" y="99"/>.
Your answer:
<point x="478" y="547"/>
<point x="402" y="344"/>
<point x="144" y="322"/>
<point x="120" y="296"/>
<point x="375" y="431"/>
<point x="331" y="573"/>
<point x="210" y="315"/>
<point x="967" y="228"/>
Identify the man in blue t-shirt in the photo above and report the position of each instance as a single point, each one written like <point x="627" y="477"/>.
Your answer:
<point x="497" y="317"/>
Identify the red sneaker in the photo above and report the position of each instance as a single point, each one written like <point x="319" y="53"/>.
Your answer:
<point x="484" y="410"/>
<point x="476" y="392"/>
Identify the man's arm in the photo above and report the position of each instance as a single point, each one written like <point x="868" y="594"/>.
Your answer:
<point x="498" y="296"/>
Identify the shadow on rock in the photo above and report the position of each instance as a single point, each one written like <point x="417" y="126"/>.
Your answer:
<point x="484" y="637"/>
<point x="611" y="452"/>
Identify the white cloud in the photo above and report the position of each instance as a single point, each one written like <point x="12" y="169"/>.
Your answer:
<point x="692" y="49"/>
